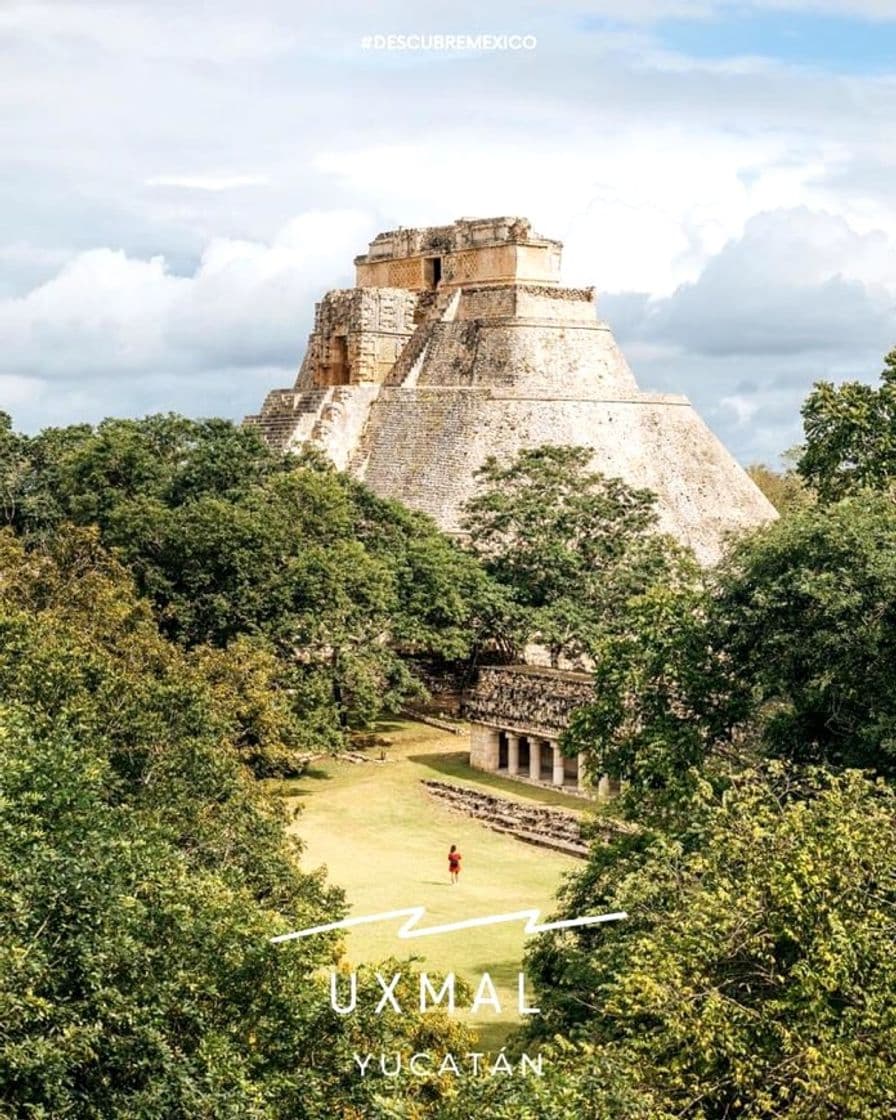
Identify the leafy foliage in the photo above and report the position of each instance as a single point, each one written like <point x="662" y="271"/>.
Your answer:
<point x="85" y="474"/>
<point x="785" y="489"/>
<point x="142" y="874"/>
<point x="850" y="436"/>
<point x="569" y="545"/>
<point x="177" y="603"/>
<point x="578" y="1082"/>
<point x="321" y="586"/>
<point x="754" y="976"/>
<point x="785" y="651"/>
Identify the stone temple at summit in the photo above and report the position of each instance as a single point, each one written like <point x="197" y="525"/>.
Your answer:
<point x="459" y="342"/>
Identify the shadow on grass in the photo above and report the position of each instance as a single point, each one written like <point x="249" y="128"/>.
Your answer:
<point x="317" y="774"/>
<point x="491" y="1037"/>
<point x="504" y="974"/>
<point x="302" y="786"/>
<point x="445" y="762"/>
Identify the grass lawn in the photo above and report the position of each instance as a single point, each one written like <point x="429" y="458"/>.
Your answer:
<point x="385" y="840"/>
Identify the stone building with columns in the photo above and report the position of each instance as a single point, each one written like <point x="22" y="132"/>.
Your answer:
<point x="517" y="714"/>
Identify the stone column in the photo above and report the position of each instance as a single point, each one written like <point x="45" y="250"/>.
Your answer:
<point x="484" y="747"/>
<point x="513" y="753"/>
<point x="603" y="788"/>
<point x="559" y="775"/>
<point x="580" y="773"/>
<point x="534" y="758"/>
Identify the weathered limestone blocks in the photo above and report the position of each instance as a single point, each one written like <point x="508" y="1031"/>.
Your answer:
<point x="513" y="754"/>
<point x="484" y="747"/>
<point x="527" y="699"/>
<point x="534" y="824"/>
<point x="469" y="250"/>
<point x="288" y="417"/>
<point x="423" y="447"/>
<point x="518" y="714"/>
<point x="574" y="358"/>
<point x="357" y="337"/>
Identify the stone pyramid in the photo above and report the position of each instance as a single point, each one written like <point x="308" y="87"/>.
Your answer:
<point x="459" y="342"/>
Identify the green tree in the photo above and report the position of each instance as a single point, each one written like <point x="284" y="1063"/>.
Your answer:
<point x="142" y="875"/>
<point x="785" y="651"/>
<point x="569" y="545"/>
<point x="850" y="435"/>
<point x="234" y="544"/>
<point x="340" y="583"/>
<point x="754" y="976"/>
<point x="84" y="474"/>
<point x="785" y="488"/>
<point x="13" y="469"/>
<point x="578" y="1082"/>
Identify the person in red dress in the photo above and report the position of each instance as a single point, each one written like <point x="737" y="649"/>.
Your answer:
<point x="454" y="858"/>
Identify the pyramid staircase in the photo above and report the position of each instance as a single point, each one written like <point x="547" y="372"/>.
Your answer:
<point x="289" y="417"/>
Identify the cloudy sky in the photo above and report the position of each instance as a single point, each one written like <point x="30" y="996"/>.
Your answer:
<point x="183" y="179"/>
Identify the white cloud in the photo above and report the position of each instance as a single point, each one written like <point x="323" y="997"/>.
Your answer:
<point x="870" y="9"/>
<point x="800" y="296"/>
<point x="649" y="11"/>
<point x="161" y="30"/>
<point x="795" y="281"/>
<point x="207" y="182"/>
<point x="637" y="210"/>
<point x="106" y="315"/>
<point x="743" y="408"/>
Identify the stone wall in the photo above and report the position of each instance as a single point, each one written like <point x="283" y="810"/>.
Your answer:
<point x="465" y="233"/>
<point x="341" y="421"/>
<point x="468" y="251"/>
<point x="494" y="263"/>
<point x="524" y="699"/>
<point x="422" y="447"/>
<point x="483" y="747"/>
<point x="289" y="418"/>
<point x="570" y="359"/>
<point x="540" y="303"/>
<point x="357" y="337"/>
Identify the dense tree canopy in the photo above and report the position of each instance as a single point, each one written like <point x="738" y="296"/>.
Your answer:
<point x="142" y="874"/>
<point x="324" y="587"/>
<point x="785" y="650"/>
<point x="569" y="545"/>
<point x="754" y="976"/>
<point x="180" y="607"/>
<point x="85" y="474"/>
<point x="851" y="435"/>
<point x="751" y="714"/>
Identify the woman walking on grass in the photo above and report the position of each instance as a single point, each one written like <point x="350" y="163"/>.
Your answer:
<point x="454" y="858"/>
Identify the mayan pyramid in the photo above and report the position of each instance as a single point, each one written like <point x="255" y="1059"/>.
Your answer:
<point x="459" y="342"/>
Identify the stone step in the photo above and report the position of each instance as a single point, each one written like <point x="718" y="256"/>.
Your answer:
<point x="570" y="848"/>
<point x="550" y="828"/>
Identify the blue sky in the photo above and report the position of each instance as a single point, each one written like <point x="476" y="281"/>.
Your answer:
<point x="839" y="44"/>
<point x="180" y="183"/>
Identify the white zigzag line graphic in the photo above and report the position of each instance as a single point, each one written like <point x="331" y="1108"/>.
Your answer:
<point x="414" y="914"/>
